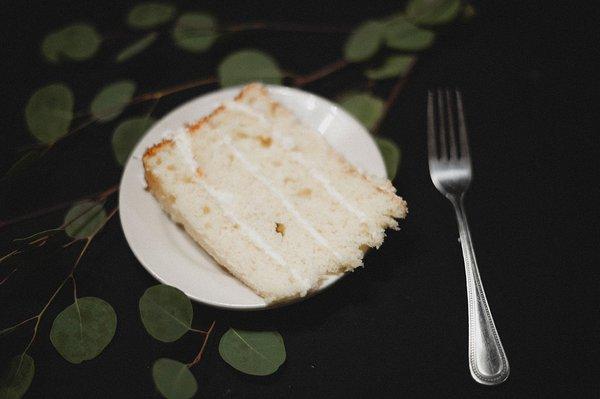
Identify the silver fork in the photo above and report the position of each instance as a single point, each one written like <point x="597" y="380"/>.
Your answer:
<point x="450" y="170"/>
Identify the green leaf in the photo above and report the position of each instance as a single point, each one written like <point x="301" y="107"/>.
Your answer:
<point x="77" y="42"/>
<point x="26" y="161"/>
<point x="195" y="32"/>
<point x="364" y="107"/>
<point x="364" y="41"/>
<point x="253" y="352"/>
<point x="173" y="379"/>
<point x="394" y="65"/>
<point x="49" y="112"/>
<point x="402" y="35"/>
<point x="83" y="329"/>
<point x="166" y="312"/>
<point x="51" y="47"/>
<point x="149" y="15"/>
<point x="84" y="219"/>
<point x="432" y="12"/>
<point x="136" y="47"/>
<point x="248" y="65"/>
<point x="16" y="379"/>
<point x="112" y="99"/>
<point x="391" y="156"/>
<point x="127" y="134"/>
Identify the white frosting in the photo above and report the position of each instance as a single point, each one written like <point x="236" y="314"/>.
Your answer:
<point x="237" y="106"/>
<point x="183" y="144"/>
<point x="254" y="170"/>
<point x="328" y="186"/>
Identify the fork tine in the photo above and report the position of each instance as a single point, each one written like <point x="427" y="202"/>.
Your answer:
<point x="451" y="130"/>
<point x="462" y="127"/>
<point x="431" y="142"/>
<point x="442" y="125"/>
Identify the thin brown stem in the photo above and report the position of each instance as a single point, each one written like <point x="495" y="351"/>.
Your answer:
<point x="5" y="279"/>
<point x="391" y="99"/>
<point x="44" y="211"/>
<point x="320" y="73"/>
<point x="8" y="255"/>
<point x="83" y="125"/>
<point x="198" y="331"/>
<point x="283" y="27"/>
<point x="199" y="355"/>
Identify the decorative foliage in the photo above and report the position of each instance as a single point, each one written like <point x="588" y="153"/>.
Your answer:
<point x="84" y="329"/>
<point x="84" y="219"/>
<point x="16" y="379"/>
<point x="173" y="379"/>
<point x="433" y="12"/>
<point x="49" y="112"/>
<point x="195" y="32"/>
<point x="394" y="65"/>
<point x="76" y="42"/>
<point x="136" y="47"/>
<point x="391" y="156"/>
<point x="402" y="35"/>
<point x="112" y="99"/>
<point x="364" y="41"/>
<point x="364" y="107"/>
<point x="253" y="352"/>
<point x="150" y="15"/>
<point x="166" y="312"/>
<point x="127" y="134"/>
<point x="248" y="65"/>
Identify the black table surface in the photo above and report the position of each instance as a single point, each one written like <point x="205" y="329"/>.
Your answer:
<point x="396" y="328"/>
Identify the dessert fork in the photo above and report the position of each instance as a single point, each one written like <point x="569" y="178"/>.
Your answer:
<point x="450" y="170"/>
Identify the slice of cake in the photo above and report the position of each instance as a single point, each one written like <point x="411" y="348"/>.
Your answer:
<point x="268" y="198"/>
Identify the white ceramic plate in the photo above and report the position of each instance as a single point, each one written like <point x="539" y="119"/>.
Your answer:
<point x="164" y="248"/>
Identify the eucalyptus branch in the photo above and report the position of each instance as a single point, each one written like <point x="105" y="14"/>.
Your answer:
<point x="70" y="276"/>
<point x="44" y="211"/>
<point x="201" y="352"/>
<point x="282" y="27"/>
<point x="320" y="73"/>
<point x="394" y="92"/>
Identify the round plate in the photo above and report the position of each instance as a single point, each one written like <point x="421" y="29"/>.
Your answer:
<point x="164" y="248"/>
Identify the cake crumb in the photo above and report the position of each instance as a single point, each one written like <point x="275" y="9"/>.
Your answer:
<point x="206" y="209"/>
<point x="280" y="228"/>
<point x="305" y="192"/>
<point x="265" y="141"/>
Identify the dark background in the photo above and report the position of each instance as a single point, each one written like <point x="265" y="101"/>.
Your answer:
<point x="396" y="328"/>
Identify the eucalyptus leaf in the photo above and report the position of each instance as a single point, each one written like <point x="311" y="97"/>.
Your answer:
<point x="112" y="99"/>
<point x="83" y="329"/>
<point x="195" y="32"/>
<point x="77" y="42"/>
<point x="84" y="219"/>
<point x="402" y="35"/>
<point x="16" y="379"/>
<point x="127" y="134"/>
<point x="136" y="47"/>
<point x="150" y="14"/>
<point x="391" y="156"/>
<point x="433" y="12"/>
<point x="173" y="379"/>
<point x="49" y="112"/>
<point x="166" y="312"/>
<point x="51" y="47"/>
<point x="253" y="352"/>
<point x="27" y="160"/>
<point x="364" y="107"/>
<point x="394" y="65"/>
<point x="248" y="65"/>
<point x="364" y="41"/>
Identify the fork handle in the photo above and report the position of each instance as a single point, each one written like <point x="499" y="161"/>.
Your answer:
<point x="487" y="360"/>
